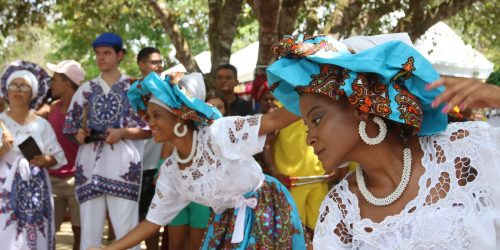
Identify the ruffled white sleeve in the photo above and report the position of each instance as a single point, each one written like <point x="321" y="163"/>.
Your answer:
<point x="167" y="201"/>
<point x="237" y="137"/>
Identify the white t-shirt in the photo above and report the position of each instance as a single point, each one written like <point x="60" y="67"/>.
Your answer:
<point x="465" y="158"/>
<point x="222" y="170"/>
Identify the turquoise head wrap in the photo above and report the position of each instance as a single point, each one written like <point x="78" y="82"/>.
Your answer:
<point x="177" y="92"/>
<point x="387" y="80"/>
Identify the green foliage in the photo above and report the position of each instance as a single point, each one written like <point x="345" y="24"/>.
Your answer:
<point x="248" y="29"/>
<point x="73" y="25"/>
<point x="79" y="22"/>
<point x="478" y="26"/>
<point x="16" y="14"/>
<point x="32" y="46"/>
<point x="494" y="78"/>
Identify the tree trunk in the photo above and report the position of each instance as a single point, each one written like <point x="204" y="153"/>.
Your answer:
<point x="183" y="53"/>
<point x="288" y="16"/>
<point x="267" y="12"/>
<point x="276" y="18"/>
<point x="223" y="21"/>
<point x="341" y="22"/>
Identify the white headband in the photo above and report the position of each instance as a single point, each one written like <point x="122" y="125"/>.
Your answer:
<point x="157" y="101"/>
<point x="29" y="77"/>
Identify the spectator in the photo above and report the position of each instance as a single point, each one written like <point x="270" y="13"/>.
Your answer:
<point x="217" y="100"/>
<point x="26" y="212"/>
<point x="68" y="75"/>
<point x="149" y="60"/>
<point x="110" y="133"/>
<point x="226" y="79"/>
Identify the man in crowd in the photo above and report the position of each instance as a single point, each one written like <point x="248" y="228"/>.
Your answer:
<point x="110" y="133"/>
<point x="226" y="78"/>
<point x="149" y="60"/>
<point x="68" y="75"/>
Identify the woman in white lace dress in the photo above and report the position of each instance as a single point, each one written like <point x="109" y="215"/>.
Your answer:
<point x="212" y="165"/>
<point x="421" y="183"/>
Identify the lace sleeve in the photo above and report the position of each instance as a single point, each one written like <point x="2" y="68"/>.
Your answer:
<point x="333" y="229"/>
<point x="167" y="202"/>
<point x="474" y="143"/>
<point x="237" y="137"/>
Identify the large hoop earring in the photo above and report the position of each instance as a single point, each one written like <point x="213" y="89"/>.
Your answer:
<point x="180" y="133"/>
<point x="382" y="128"/>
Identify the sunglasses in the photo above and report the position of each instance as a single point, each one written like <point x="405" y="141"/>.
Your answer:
<point x="156" y="62"/>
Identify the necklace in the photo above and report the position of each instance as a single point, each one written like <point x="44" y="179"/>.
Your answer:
<point x="191" y="154"/>
<point x="399" y="190"/>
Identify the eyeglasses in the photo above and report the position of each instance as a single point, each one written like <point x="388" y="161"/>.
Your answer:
<point x="22" y="87"/>
<point x="156" y="62"/>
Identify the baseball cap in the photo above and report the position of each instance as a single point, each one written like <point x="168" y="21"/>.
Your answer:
<point x="108" y="39"/>
<point x="72" y="69"/>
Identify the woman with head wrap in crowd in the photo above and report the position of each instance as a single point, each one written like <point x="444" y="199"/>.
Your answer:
<point x="421" y="183"/>
<point x="26" y="212"/>
<point x="212" y="165"/>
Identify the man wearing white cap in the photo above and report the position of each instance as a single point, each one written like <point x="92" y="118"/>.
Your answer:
<point x="68" y="75"/>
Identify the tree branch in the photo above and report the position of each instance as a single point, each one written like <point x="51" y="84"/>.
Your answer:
<point x="417" y="23"/>
<point x="312" y="20"/>
<point x="183" y="52"/>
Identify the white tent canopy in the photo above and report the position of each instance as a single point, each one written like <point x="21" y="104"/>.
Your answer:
<point x="449" y="54"/>
<point x="440" y="44"/>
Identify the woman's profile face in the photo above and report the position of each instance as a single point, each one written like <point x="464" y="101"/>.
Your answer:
<point x="161" y="122"/>
<point x="332" y="128"/>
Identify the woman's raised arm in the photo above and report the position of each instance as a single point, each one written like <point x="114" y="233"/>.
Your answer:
<point x="276" y="120"/>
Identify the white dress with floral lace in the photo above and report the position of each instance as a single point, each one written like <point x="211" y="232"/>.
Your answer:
<point x="457" y="206"/>
<point x="222" y="170"/>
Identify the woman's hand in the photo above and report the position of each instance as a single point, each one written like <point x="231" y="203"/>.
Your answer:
<point x="43" y="161"/>
<point x="7" y="141"/>
<point x="466" y="93"/>
<point x="95" y="248"/>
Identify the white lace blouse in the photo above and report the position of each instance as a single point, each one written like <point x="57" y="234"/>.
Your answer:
<point x="457" y="206"/>
<point x="222" y="170"/>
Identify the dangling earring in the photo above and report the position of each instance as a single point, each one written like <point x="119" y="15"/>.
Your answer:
<point x="179" y="133"/>
<point x="382" y="127"/>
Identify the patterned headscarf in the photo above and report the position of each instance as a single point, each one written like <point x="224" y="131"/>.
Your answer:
<point x="20" y="68"/>
<point x="387" y="80"/>
<point x="183" y="95"/>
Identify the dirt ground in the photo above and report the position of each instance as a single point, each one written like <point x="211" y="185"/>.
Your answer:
<point x="64" y="238"/>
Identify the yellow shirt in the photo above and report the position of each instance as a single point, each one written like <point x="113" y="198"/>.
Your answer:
<point x="292" y="156"/>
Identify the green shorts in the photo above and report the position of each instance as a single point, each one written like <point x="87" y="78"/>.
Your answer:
<point x="193" y="215"/>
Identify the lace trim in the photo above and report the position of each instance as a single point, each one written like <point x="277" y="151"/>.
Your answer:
<point x="448" y="183"/>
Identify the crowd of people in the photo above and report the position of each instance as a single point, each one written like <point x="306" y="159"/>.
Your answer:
<point x="353" y="144"/>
